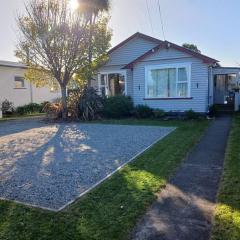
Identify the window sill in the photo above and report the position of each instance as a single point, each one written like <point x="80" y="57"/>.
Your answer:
<point x="179" y="98"/>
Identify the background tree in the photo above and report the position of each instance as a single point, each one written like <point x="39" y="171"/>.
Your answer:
<point x="57" y="39"/>
<point x="101" y="38"/>
<point x="92" y="9"/>
<point x="192" y="47"/>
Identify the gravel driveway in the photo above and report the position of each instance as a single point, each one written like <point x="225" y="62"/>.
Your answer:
<point x="49" y="166"/>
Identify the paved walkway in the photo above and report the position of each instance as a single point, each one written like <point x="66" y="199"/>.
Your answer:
<point x="184" y="209"/>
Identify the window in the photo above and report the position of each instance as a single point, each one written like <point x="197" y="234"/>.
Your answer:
<point x="112" y="84"/>
<point x="171" y="81"/>
<point x="19" y="82"/>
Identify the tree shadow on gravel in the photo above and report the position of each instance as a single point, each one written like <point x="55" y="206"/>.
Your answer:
<point x="111" y="210"/>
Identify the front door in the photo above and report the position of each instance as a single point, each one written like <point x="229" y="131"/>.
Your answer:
<point x="223" y="89"/>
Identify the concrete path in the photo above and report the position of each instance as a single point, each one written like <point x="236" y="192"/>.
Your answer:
<point x="184" y="209"/>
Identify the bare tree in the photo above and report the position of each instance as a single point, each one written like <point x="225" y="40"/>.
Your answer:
<point x="56" y="38"/>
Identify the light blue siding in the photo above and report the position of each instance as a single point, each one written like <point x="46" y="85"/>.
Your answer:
<point x="130" y="51"/>
<point x="199" y="82"/>
<point x="126" y="54"/>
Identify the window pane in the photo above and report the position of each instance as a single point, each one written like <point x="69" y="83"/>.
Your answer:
<point x="182" y="75"/>
<point x="158" y="83"/>
<point x="103" y="91"/>
<point x="182" y="90"/>
<point x="103" y="79"/>
<point x="116" y="84"/>
<point x="172" y="82"/>
<point x="19" y="82"/>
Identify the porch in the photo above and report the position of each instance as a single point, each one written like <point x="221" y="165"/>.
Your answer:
<point x="225" y="88"/>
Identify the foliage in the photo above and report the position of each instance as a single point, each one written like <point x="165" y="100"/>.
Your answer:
<point x="97" y="35"/>
<point x="192" y="47"/>
<point x="111" y="210"/>
<point x="55" y="42"/>
<point x="53" y="110"/>
<point x="143" y="111"/>
<point x="90" y="104"/>
<point x="92" y="8"/>
<point x="190" y="114"/>
<point x="41" y="78"/>
<point x="118" y="107"/>
<point x="226" y="225"/>
<point x="212" y="111"/>
<point x="159" y="113"/>
<point x="7" y="107"/>
<point x="29" y="108"/>
<point x="73" y="103"/>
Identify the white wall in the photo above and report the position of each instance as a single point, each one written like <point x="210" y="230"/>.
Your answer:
<point x="20" y="97"/>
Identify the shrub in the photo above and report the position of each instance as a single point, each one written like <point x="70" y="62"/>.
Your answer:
<point x="90" y="104"/>
<point x="143" y="111"/>
<point x="7" y="107"/>
<point x="53" y="110"/>
<point x="118" y="107"/>
<point x="190" y="114"/>
<point x="212" y="111"/>
<point x="159" y="113"/>
<point x="42" y="105"/>
<point x="29" y="108"/>
<point x="73" y="104"/>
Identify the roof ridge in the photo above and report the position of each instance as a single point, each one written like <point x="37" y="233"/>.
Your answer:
<point x="137" y="34"/>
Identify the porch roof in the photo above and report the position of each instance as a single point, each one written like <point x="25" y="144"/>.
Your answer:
<point x="226" y="70"/>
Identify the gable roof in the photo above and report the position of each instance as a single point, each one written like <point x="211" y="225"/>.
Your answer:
<point x="138" y="34"/>
<point x="12" y="64"/>
<point x="167" y="44"/>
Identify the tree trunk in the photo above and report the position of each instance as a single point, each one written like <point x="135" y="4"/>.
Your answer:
<point x="64" y="102"/>
<point x="90" y="50"/>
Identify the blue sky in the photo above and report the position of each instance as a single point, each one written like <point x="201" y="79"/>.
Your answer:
<point x="213" y="25"/>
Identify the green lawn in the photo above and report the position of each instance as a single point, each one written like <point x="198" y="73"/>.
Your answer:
<point x="227" y="217"/>
<point x="110" y="211"/>
<point x="17" y="117"/>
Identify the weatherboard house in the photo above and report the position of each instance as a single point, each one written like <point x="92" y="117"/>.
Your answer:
<point x="166" y="76"/>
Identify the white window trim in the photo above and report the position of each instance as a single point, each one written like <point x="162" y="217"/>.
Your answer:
<point x="123" y="72"/>
<point x="164" y="66"/>
<point x="24" y="82"/>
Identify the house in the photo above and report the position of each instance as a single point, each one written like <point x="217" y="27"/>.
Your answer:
<point x="166" y="76"/>
<point x="16" y="89"/>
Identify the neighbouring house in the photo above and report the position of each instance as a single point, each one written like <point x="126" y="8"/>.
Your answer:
<point x="163" y="75"/>
<point x="16" y="89"/>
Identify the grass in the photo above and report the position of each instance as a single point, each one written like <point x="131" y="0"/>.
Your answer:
<point x="227" y="216"/>
<point x="16" y="117"/>
<point x="110" y="211"/>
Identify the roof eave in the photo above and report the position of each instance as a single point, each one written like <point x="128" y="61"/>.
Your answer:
<point x="205" y="59"/>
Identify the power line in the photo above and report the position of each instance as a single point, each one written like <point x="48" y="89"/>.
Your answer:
<point x="149" y="16"/>
<point x="161" y="18"/>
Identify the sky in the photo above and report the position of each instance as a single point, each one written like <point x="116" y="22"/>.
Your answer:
<point x="213" y="25"/>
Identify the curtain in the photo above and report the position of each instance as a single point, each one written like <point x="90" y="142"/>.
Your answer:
<point x="158" y="83"/>
<point x="182" y="86"/>
<point x="172" y="82"/>
<point x="164" y="83"/>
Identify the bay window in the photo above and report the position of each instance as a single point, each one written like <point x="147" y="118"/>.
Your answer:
<point x="168" y="81"/>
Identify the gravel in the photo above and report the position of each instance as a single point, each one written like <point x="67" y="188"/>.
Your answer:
<point x="49" y="166"/>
